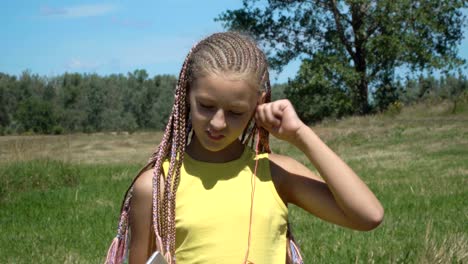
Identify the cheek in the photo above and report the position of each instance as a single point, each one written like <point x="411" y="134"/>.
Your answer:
<point x="203" y="118"/>
<point x="198" y="114"/>
<point x="243" y="122"/>
<point x="198" y="119"/>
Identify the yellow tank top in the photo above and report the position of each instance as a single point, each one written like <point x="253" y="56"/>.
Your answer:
<point x="213" y="210"/>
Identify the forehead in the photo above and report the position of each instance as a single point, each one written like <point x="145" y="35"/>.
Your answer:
<point x="224" y="87"/>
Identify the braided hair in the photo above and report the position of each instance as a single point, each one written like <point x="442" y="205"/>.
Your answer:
<point x="221" y="53"/>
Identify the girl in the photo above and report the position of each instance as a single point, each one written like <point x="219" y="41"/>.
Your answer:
<point x="206" y="197"/>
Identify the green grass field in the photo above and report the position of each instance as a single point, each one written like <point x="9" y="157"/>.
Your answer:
<point x="60" y="195"/>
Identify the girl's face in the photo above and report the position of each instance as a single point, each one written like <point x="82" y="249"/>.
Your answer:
<point x="220" y="108"/>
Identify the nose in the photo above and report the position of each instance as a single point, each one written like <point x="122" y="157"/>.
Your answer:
<point x="218" y="121"/>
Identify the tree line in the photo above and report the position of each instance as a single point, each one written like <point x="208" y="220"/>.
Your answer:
<point x="315" y="102"/>
<point x="74" y="102"/>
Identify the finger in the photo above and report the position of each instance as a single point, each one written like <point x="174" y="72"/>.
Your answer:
<point x="263" y="116"/>
<point x="278" y="109"/>
<point x="259" y="116"/>
<point x="272" y="119"/>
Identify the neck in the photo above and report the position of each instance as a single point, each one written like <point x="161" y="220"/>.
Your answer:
<point x="197" y="152"/>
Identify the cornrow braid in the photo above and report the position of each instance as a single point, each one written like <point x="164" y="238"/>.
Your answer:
<point x="229" y="53"/>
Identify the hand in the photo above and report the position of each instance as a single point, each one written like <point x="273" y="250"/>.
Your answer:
<point x="280" y="119"/>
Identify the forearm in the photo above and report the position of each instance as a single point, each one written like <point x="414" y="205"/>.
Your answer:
<point x="352" y="195"/>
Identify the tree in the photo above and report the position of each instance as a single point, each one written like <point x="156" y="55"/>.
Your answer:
<point x="162" y="98"/>
<point x="7" y="99"/>
<point x="317" y="92"/>
<point x="136" y="101"/>
<point x="36" y="115"/>
<point x="277" y="91"/>
<point x="72" y="102"/>
<point x="455" y="88"/>
<point x="358" y="43"/>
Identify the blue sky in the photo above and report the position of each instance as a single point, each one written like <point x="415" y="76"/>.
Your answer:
<point x="53" y="37"/>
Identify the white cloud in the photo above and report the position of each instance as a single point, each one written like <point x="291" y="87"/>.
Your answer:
<point x="75" y="64"/>
<point x="78" y="11"/>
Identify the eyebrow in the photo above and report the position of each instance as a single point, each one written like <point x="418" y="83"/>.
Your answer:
<point x="209" y="99"/>
<point x="239" y="104"/>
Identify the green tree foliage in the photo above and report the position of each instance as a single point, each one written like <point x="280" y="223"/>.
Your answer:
<point x="357" y="43"/>
<point x="75" y="102"/>
<point x="316" y="94"/>
<point x="6" y="99"/>
<point x="277" y="91"/>
<point x="162" y="96"/>
<point x="36" y="115"/>
<point x="387" y="92"/>
<point x="426" y="88"/>
<point x="71" y="102"/>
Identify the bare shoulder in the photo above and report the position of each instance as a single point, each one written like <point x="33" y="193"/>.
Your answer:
<point x="143" y="186"/>
<point x="141" y="203"/>
<point x="286" y="172"/>
<point x="140" y="217"/>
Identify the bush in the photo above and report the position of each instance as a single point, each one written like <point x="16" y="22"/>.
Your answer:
<point x="58" y="130"/>
<point x="394" y="108"/>
<point x="314" y="101"/>
<point x="386" y="96"/>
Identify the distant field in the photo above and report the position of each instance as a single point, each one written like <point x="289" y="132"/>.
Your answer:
<point x="60" y="195"/>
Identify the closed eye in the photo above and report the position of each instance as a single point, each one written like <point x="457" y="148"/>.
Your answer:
<point x="206" y="106"/>
<point x="236" y="113"/>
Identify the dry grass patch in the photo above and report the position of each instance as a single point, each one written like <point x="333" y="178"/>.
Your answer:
<point x="80" y="148"/>
<point x="457" y="172"/>
<point x="453" y="248"/>
<point x="382" y="158"/>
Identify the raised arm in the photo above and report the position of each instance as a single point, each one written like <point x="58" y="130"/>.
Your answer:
<point x="341" y="197"/>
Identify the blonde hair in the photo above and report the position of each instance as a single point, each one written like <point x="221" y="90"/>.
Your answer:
<point x="231" y="54"/>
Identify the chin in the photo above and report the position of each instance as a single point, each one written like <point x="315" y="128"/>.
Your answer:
<point x="217" y="146"/>
<point x="214" y="148"/>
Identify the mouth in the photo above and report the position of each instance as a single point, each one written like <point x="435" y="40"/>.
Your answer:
<point x="214" y="136"/>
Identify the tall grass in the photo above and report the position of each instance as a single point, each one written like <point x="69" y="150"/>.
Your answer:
<point x="60" y="196"/>
<point x="56" y="212"/>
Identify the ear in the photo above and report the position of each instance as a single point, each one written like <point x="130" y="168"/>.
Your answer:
<point x="261" y="98"/>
